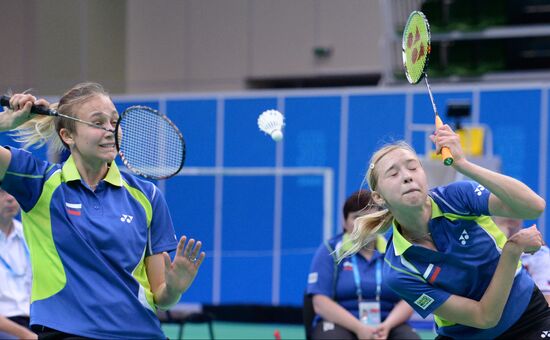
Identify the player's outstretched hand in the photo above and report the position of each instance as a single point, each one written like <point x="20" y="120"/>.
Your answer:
<point x="180" y="273"/>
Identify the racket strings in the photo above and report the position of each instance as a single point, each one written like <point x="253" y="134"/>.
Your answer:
<point x="150" y="144"/>
<point x="416" y="46"/>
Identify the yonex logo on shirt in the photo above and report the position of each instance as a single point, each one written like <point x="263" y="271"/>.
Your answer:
<point x="424" y="301"/>
<point x="464" y="237"/>
<point x="479" y="189"/>
<point x="126" y="218"/>
<point x="544" y="334"/>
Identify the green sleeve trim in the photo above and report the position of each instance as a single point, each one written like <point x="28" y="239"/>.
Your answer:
<point x="440" y="322"/>
<point x="404" y="271"/>
<point x="23" y="175"/>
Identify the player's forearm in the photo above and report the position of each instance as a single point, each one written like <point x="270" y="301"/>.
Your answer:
<point x="493" y="301"/>
<point x="523" y="201"/>
<point x="399" y="314"/>
<point x="165" y="297"/>
<point x="331" y="311"/>
<point x="10" y="327"/>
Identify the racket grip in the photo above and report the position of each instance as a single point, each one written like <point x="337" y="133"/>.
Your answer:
<point x="446" y="154"/>
<point x="41" y="110"/>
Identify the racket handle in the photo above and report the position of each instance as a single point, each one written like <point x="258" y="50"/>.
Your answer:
<point x="446" y="154"/>
<point x="40" y="110"/>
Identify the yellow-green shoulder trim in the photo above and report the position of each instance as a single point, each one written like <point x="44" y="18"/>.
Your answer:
<point x="404" y="271"/>
<point x="142" y="199"/>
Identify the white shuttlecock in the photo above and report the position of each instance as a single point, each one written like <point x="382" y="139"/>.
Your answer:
<point x="272" y="122"/>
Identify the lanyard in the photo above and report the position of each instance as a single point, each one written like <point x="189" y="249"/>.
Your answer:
<point x="10" y="269"/>
<point x="358" y="278"/>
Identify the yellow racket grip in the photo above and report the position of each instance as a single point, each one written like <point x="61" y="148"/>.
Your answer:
<point x="446" y="154"/>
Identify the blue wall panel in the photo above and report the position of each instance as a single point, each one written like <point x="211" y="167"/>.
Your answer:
<point x="247" y="239"/>
<point x="312" y="136"/>
<point x="302" y="232"/>
<point x="373" y="121"/>
<point x="312" y="131"/>
<point x="514" y="118"/>
<point x="191" y="202"/>
<point x="244" y="143"/>
<point x="196" y="120"/>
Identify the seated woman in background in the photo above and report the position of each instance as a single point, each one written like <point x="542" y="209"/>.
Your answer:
<point x="349" y="297"/>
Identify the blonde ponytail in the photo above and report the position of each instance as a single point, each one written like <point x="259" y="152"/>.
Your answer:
<point x="365" y="230"/>
<point x="38" y="131"/>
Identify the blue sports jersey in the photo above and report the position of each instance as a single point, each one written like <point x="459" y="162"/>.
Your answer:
<point x="324" y="270"/>
<point x="88" y="248"/>
<point x="469" y="246"/>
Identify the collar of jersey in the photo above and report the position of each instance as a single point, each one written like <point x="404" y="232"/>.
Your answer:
<point x="400" y="243"/>
<point x="70" y="173"/>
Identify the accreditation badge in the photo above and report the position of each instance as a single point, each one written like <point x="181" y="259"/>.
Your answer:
<point x="369" y="313"/>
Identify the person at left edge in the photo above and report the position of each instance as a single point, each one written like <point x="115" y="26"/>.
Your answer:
<point x="15" y="273"/>
<point x="98" y="237"/>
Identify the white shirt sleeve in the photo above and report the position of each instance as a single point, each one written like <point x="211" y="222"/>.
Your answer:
<point x="538" y="266"/>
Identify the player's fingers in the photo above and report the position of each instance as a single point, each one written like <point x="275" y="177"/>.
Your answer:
<point x="188" y="247"/>
<point x="200" y="259"/>
<point x="167" y="261"/>
<point x="18" y="101"/>
<point x="181" y="243"/>
<point x="42" y="102"/>
<point x="195" y="251"/>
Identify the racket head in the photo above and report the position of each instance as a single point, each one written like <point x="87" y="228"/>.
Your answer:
<point x="416" y="46"/>
<point x="149" y="144"/>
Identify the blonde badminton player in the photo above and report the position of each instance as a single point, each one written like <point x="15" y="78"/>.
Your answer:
<point x="98" y="237"/>
<point x="446" y="256"/>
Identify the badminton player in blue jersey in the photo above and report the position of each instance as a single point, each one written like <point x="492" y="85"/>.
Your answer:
<point x="446" y="256"/>
<point x="98" y="238"/>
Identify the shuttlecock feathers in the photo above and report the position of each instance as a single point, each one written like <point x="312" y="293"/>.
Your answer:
<point x="272" y="122"/>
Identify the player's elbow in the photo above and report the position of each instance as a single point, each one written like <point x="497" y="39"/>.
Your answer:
<point x="540" y="206"/>
<point x="487" y="321"/>
<point x="489" y="324"/>
<point x="536" y="208"/>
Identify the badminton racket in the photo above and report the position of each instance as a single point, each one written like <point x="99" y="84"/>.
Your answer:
<point x="416" y="51"/>
<point x="149" y="144"/>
